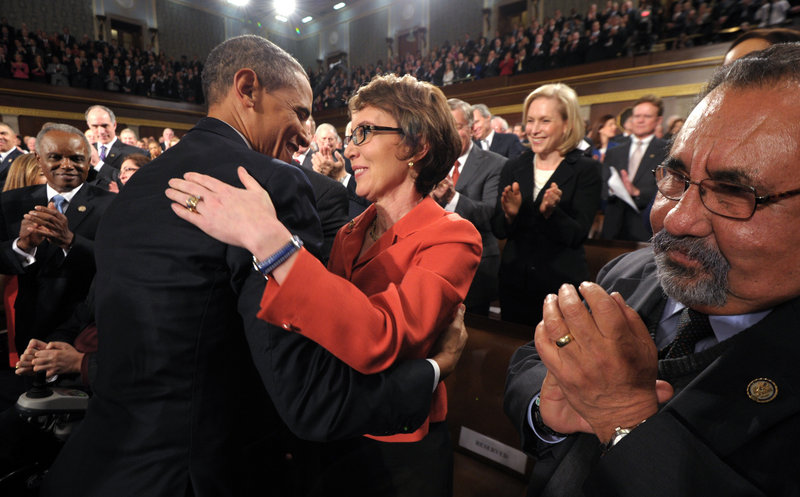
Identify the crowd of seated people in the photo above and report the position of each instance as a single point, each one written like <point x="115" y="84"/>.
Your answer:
<point x="62" y="59"/>
<point x="618" y="30"/>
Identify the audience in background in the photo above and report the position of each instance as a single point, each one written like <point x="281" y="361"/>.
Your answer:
<point x="8" y="150"/>
<point x="128" y="137"/>
<point x="629" y="176"/>
<point x="603" y="131"/>
<point x="98" y="65"/>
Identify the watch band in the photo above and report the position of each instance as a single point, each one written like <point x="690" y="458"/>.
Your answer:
<point x="268" y="265"/>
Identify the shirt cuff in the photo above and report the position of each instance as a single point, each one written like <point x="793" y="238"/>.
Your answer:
<point x="436" y="373"/>
<point x="25" y="258"/>
<point x="548" y="439"/>
<point x="451" y="206"/>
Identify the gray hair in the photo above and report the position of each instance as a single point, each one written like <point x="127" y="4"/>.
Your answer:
<point x="101" y="107"/>
<point x="326" y="127"/>
<point x="456" y="104"/>
<point x="780" y="62"/>
<point x="66" y="128"/>
<point x="503" y="122"/>
<point x="482" y="109"/>
<point x="273" y="66"/>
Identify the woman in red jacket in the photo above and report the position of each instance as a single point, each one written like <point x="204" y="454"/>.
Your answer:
<point x="395" y="277"/>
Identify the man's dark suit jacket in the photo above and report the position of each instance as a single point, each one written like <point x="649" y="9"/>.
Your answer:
<point x="506" y="144"/>
<point x="102" y="178"/>
<point x="541" y="254"/>
<point x="621" y="221"/>
<point x="330" y="198"/>
<point x="192" y="389"/>
<point x="6" y="164"/>
<point x="50" y="288"/>
<point x="357" y="204"/>
<point x="477" y="189"/>
<point x="116" y="156"/>
<point x="710" y="439"/>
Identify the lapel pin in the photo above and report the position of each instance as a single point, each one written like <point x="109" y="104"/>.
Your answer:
<point x="81" y="208"/>
<point x="762" y="390"/>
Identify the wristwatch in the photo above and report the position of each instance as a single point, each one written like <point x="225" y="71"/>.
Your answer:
<point x="619" y="434"/>
<point x="537" y="420"/>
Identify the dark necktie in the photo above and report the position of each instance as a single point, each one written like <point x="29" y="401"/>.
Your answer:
<point x="61" y="203"/>
<point x="456" y="174"/>
<point x="693" y="326"/>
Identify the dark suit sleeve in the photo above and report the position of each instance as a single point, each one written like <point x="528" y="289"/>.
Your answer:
<point x="333" y="207"/>
<point x="480" y="210"/>
<point x="654" y="449"/>
<point x="318" y="396"/>
<point x="526" y="374"/>
<point x="9" y="264"/>
<point x="570" y="228"/>
<point x="516" y="149"/>
<point x="500" y="226"/>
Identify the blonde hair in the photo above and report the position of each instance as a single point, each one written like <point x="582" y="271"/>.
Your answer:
<point x="24" y="171"/>
<point x="568" y="107"/>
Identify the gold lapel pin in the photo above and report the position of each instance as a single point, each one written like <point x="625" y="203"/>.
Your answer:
<point x="762" y="390"/>
<point x="81" y="208"/>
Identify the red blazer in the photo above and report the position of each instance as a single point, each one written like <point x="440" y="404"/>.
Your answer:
<point x="390" y="304"/>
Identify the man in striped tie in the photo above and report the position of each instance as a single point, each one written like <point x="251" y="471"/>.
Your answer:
<point x="47" y="235"/>
<point x="676" y="374"/>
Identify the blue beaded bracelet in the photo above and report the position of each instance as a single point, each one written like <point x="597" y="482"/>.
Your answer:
<point x="267" y="266"/>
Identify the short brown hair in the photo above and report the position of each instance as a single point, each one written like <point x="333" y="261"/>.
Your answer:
<point x="651" y="99"/>
<point x="421" y="111"/>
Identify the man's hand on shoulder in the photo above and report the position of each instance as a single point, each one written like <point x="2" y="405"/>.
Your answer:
<point x="450" y="344"/>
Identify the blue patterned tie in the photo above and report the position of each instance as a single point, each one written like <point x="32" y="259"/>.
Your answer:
<point x="61" y="203"/>
<point x="102" y="152"/>
<point x="693" y="326"/>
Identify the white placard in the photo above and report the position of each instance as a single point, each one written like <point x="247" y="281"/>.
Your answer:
<point x="492" y="449"/>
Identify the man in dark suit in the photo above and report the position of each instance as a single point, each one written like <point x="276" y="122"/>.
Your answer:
<point x="505" y="144"/>
<point x="634" y="162"/>
<point x="330" y="199"/>
<point x="330" y="162"/>
<point x="192" y="389"/>
<point x="112" y="151"/>
<point x="8" y="151"/>
<point x="688" y="374"/>
<point x="49" y="246"/>
<point x="473" y="196"/>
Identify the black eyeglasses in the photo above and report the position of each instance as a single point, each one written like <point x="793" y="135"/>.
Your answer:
<point x="361" y="133"/>
<point x="725" y="199"/>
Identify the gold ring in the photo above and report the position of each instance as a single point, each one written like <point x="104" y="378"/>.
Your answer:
<point x="191" y="203"/>
<point x="564" y="340"/>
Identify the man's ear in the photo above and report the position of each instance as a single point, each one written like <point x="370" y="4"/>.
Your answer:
<point x="246" y="86"/>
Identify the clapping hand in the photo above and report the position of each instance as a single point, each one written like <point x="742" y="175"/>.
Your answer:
<point x="511" y="201"/>
<point x="604" y="373"/>
<point x="551" y="198"/>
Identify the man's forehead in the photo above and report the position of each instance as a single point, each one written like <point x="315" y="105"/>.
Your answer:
<point x="726" y="131"/>
<point x="645" y="107"/>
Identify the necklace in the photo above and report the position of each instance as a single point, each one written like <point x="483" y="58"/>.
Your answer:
<point x="373" y="230"/>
